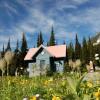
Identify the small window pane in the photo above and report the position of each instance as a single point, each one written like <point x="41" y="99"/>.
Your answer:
<point x="42" y="63"/>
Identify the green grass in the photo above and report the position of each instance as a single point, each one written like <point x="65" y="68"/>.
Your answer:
<point x="65" y="86"/>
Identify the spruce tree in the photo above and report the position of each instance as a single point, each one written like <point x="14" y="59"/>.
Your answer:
<point x="77" y="48"/>
<point x="24" y="44"/>
<point x="23" y="51"/>
<point x="90" y="50"/>
<point x="39" y="39"/>
<point x="71" y="54"/>
<point x="52" y="38"/>
<point x="18" y="56"/>
<point x="3" y="51"/>
<point x="8" y="46"/>
<point x="84" y="51"/>
<point x="17" y="47"/>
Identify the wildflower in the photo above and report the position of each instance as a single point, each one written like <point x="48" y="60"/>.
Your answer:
<point x="97" y="82"/>
<point x="9" y="82"/>
<point x="50" y="80"/>
<point x="63" y="83"/>
<point x="22" y="82"/>
<point x="46" y="82"/>
<point x="33" y="98"/>
<point x="56" y="98"/>
<point x="89" y="84"/>
<point x="97" y="94"/>
<point x="37" y="95"/>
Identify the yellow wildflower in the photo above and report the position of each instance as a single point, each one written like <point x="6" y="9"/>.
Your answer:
<point x="97" y="94"/>
<point x="46" y="82"/>
<point x="50" y="80"/>
<point x="89" y="84"/>
<point x="9" y="82"/>
<point x="63" y="83"/>
<point x="97" y="82"/>
<point x="99" y="90"/>
<point x="56" y="98"/>
<point x="33" y="98"/>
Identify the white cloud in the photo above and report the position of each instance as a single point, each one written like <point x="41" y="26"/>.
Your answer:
<point x="4" y="40"/>
<point x="38" y="20"/>
<point x="79" y="2"/>
<point x="10" y="8"/>
<point x="89" y="17"/>
<point x="62" y="6"/>
<point x="35" y="22"/>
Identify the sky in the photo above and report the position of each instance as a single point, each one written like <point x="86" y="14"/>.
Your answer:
<point x="67" y="17"/>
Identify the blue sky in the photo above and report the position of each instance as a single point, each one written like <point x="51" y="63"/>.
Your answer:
<point x="68" y="17"/>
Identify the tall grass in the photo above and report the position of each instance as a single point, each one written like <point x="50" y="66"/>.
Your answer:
<point x="65" y="86"/>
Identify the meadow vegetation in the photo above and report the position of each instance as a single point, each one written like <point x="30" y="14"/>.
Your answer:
<point x="58" y="87"/>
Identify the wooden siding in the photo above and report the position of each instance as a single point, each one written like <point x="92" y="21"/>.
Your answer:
<point x="56" y="65"/>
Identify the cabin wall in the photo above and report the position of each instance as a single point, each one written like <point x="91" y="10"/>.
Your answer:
<point x="41" y="65"/>
<point x="59" y="65"/>
<point x="43" y="61"/>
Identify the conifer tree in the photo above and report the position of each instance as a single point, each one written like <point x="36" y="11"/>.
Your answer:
<point x="17" y="47"/>
<point x="52" y="38"/>
<point x="71" y="54"/>
<point x="39" y="39"/>
<point x="18" y="57"/>
<point x="3" y="51"/>
<point x="24" y="44"/>
<point x="8" y="46"/>
<point x="23" y="51"/>
<point x="77" y="48"/>
<point x="84" y="51"/>
<point x="90" y="50"/>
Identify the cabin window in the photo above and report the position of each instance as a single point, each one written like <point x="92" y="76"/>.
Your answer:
<point x="42" y="52"/>
<point x="42" y="63"/>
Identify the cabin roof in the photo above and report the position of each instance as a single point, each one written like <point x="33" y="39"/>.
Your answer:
<point x="56" y="51"/>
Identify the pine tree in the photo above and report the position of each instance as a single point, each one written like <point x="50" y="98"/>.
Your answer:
<point x="71" y="54"/>
<point x="77" y="48"/>
<point x="23" y="52"/>
<point x="3" y="51"/>
<point x="90" y="50"/>
<point x="52" y="38"/>
<point x="8" y="46"/>
<point x="17" y="47"/>
<point x="84" y="51"/>
<point x="24" y="44"/>
<point x="39" y="39"/>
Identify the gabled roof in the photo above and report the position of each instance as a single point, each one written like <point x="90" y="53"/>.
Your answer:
<point x="56" y="51"/>
<point x="30" y="53"/>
